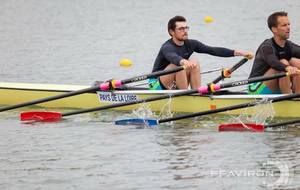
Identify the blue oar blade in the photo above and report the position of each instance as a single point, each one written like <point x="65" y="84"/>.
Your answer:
<point x="137" y="121"/>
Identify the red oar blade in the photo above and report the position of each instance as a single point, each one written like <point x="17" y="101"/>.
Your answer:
<point x="241" y="127"/>
<point x="41" y="116"/>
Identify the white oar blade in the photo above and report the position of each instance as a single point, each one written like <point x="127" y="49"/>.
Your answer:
<point x="137" y="121"/>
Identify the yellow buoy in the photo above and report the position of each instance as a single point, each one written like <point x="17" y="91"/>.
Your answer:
<point x="208" y="19"/>
<point x="125" y="62"/>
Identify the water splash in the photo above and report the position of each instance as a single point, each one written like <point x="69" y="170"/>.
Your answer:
<point x="144" y="111"/>
<point x="262" y="113"/>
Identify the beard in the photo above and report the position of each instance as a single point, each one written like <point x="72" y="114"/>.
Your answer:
<point x="284" y="36"/>
<point x="183" y="37"/>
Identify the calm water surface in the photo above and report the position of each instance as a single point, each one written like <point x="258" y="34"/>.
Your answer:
<point x="78" y="42"/>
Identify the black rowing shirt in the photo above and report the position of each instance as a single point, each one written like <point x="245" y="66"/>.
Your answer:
<point x="172" y="53"/>
<point x="269" y="54"/>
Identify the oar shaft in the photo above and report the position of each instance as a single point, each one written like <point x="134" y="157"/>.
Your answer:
<point x="253" y="80"/>
<point x="232" y="69"/>
<point x="152" y="75"/>
<point x="208" y="112"/>
<point x="229" y="108"/>
<point x="203" y="73"/>
<point x="283" y="123"/>
<point x="68" y="94"/>
<point x="238" y="65"/>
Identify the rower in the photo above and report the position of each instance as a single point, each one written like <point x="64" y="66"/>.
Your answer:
<point x="275" y="55"/>
<point x="177" y="51"/>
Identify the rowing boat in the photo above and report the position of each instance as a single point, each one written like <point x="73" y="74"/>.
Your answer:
<point x="15" y="93"/>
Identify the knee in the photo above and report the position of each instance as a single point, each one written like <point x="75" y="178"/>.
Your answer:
<point x="197" y="64"/>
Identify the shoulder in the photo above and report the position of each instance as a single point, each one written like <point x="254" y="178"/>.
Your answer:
<point x="291" y="44"/>
<point x="192" y="41"/>
<point x="267" y="43"/>
<point x="168" y="44"/>
<point x="267" y="47"/>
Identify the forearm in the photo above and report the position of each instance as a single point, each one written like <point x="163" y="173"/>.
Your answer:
<point x="172" y="57"/>
<point x="276" y="64"/>
<point x="220" y="51"/>
<point x="269" y="57"/>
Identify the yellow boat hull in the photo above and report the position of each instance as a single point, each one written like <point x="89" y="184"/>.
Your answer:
<point x="15" y="93"/>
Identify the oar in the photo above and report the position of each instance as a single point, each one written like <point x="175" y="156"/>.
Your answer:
<point x="226" y="73"/>
<point x="253" y="127"/>
<point x="202" y="73"/>
<point x="153" y="122"/>
<point x="104" y="86"/>
<point x="54" y="116"/>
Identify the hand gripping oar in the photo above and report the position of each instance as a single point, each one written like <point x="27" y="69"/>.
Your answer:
<point x="226" y="73"/>
<point x="40" y="116"/>
<point x="153" y="122"/>
<point x="253" y="127"/>
<point x="104" y="86"/>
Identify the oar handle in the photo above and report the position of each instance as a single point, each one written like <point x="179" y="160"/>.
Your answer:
<point x="234" y="107"/>
<point x="68" y="94"/>
<point x="231" y="70"/>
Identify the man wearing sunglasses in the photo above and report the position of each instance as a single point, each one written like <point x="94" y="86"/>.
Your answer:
<point x="177" y="51"/>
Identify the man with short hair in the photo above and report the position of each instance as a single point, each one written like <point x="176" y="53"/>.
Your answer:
<point x="276" y="55"/>
<point x="177" y="51"/>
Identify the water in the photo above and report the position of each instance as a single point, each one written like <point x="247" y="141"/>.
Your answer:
<point x="78" y="42"/>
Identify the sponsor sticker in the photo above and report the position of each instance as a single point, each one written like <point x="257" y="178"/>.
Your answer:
<point x="116" y="97"/>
